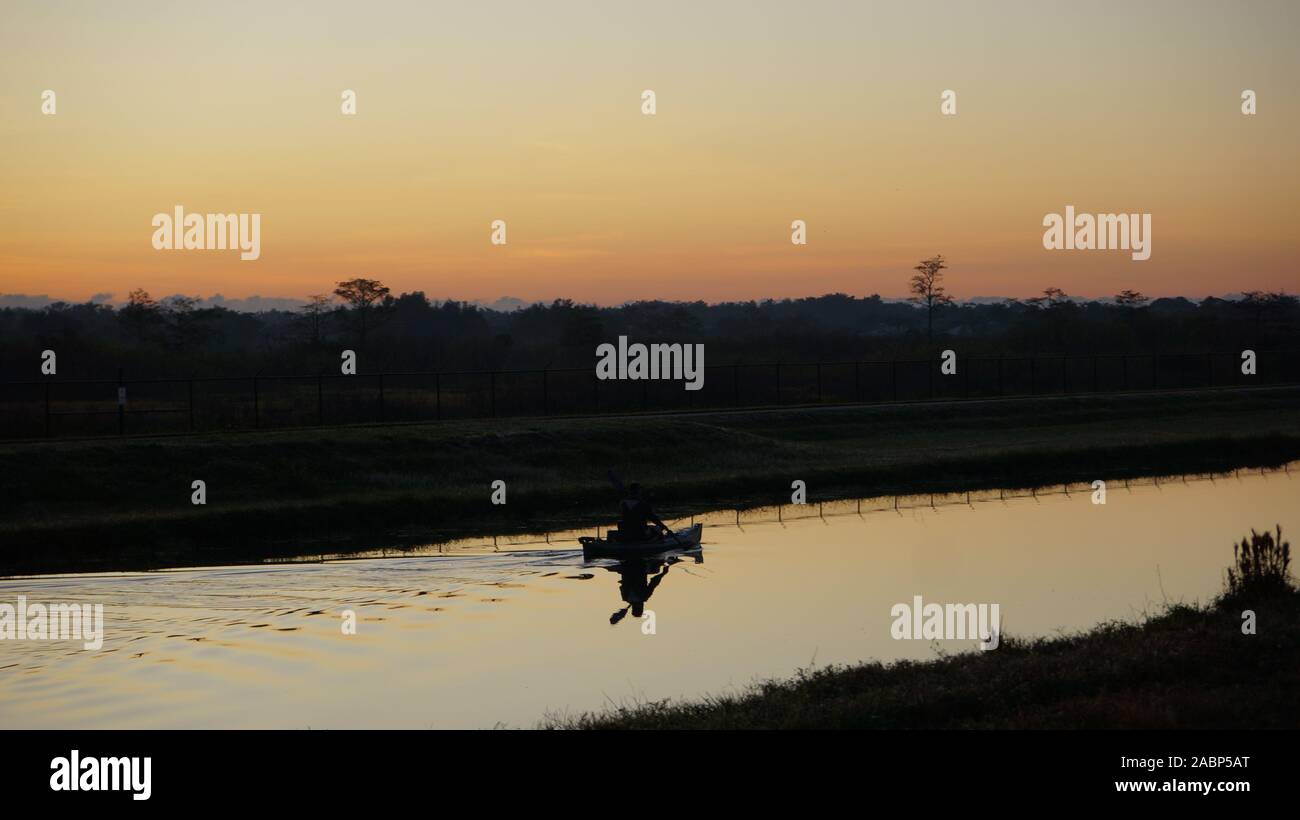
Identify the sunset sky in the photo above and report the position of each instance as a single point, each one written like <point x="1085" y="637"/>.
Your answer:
<point x="531" y="112"/>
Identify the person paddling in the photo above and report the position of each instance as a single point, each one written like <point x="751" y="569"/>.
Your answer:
<point x="635" y="515"/>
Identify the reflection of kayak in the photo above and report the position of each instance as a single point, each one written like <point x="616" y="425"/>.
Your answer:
<point x="688" y="538"/>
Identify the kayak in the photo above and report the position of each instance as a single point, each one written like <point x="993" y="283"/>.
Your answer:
<point x="611" y="547"/>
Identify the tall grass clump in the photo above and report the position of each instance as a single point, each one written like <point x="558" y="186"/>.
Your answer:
<point x="1262" y="566"/>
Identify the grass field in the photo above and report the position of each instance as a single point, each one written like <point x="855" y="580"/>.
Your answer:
<point x="126" y="503"/>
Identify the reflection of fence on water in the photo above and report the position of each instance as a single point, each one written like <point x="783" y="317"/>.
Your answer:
<point x="741" y="515"/>
<point x="782" y="513"/>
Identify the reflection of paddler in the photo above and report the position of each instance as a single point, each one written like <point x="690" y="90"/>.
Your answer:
<point x="635" y="586"/>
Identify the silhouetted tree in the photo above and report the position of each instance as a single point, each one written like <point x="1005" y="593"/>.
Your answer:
<point x="927" y="290"/>
<point x="140" y="313"/>
<point x="1130" y="299"/>
<point x="1052" y="297"/>
<point x="314" y="314"/>
<point x="367" y="301"/>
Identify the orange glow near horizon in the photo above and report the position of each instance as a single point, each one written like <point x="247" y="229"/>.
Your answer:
<point x="766" y="114"/>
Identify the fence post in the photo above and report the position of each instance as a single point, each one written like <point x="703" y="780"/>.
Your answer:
<point x="546" y="394"/>
<point x="1033" y="373"/>
<point x="929" y="368"/>
<point x="778" y="382"/>
<point x="492" y="390"/>
<point x="819" y="382"/>
<point x="1124" y="364"/>
<point x="382" y="413"/>
<point x="857" y="381"/>
<point x="1155" y="371"/>
<point x="1065" y="375"/>
<point x="437" y="396"/>
<point x="1096" y="386"/>
<point x="47" y="409"/>
<point x="191" y="404"/>
<point x="893" y="377"/>
<point x="257" y="412"/>
<point x="1001" y="392"/>
<point x="1209" y="370"/>
<point x="320" y="398"/>
<point x="735" y="384"/>
<point x="595" y="392"/>
<point x="121" y="404"/>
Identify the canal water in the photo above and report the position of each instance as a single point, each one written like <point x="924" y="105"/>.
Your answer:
<point x="472" y="635"/>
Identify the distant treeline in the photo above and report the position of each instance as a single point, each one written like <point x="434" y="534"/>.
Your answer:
<point x="178" y="337"/>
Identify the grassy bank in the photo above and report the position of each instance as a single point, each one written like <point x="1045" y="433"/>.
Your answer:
<point x="1186" y="668"/>
<point x="116" y="504"/>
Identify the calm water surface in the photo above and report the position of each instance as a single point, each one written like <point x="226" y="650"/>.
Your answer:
<point x="472" y="638"/>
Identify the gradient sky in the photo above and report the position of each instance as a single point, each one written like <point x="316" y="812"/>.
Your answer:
<point x="530" y="112"/>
